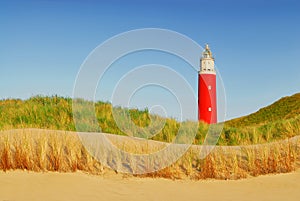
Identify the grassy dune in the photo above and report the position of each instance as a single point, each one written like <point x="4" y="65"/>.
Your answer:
<point x="284" y="109"/>
<point x="50" y="150"/>
<point x="278" y="121"/>
<point x="248" y="146"/>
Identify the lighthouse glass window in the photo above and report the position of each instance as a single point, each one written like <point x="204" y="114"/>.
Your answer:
<point x="209" y="87"/>
<point x="209" y="109"/>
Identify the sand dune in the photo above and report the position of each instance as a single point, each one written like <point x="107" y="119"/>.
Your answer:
<point x="40" y="150"/>
<point x="54" y="186"/>
<point x="19" y="185"/>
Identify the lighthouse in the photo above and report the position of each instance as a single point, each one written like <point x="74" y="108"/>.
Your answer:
<point x="207" y="93"/>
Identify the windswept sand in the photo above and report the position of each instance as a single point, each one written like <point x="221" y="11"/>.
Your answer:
<point x="23" y="186"/>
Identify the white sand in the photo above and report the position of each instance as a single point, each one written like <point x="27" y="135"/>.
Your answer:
<point x="23" y="186"/>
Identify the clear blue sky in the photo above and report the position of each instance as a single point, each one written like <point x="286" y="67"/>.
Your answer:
<point x="256" y="43"/>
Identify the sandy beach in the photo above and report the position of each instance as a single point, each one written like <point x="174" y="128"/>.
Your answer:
<point x="23" y="186"/>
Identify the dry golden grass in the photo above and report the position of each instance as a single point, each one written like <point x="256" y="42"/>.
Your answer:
<point x="46" y="150"/>
<point x="41" y="150"/>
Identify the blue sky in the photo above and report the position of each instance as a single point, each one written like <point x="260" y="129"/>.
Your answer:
<point x="256" y="43"/>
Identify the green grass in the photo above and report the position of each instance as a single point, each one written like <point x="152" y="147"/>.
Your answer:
<point x="280" y="120"/>
<point x="277" y="121"/>
<point x="56" y="113"/>
<point x="283" y="109"/>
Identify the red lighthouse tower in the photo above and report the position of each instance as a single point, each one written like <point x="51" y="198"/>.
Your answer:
<point x="207" y="95"/>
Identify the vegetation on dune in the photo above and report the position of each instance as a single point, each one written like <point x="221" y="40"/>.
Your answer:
<point x="56" y="113"/>
<point x="50" y="150"/>
<point x="45" y="151"/>
<point x="37" y="112"/>
<point x="278" y="121"/>
<point x="263" y="133"/>
<point x="283" y="109"/>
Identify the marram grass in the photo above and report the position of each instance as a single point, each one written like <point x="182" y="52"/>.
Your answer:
<point x="49" y="150"/>
<point x="248" y="146"/>
<point x="56" y="113"/>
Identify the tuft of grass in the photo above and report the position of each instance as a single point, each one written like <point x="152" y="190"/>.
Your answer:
<point x="40" y="150"/>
